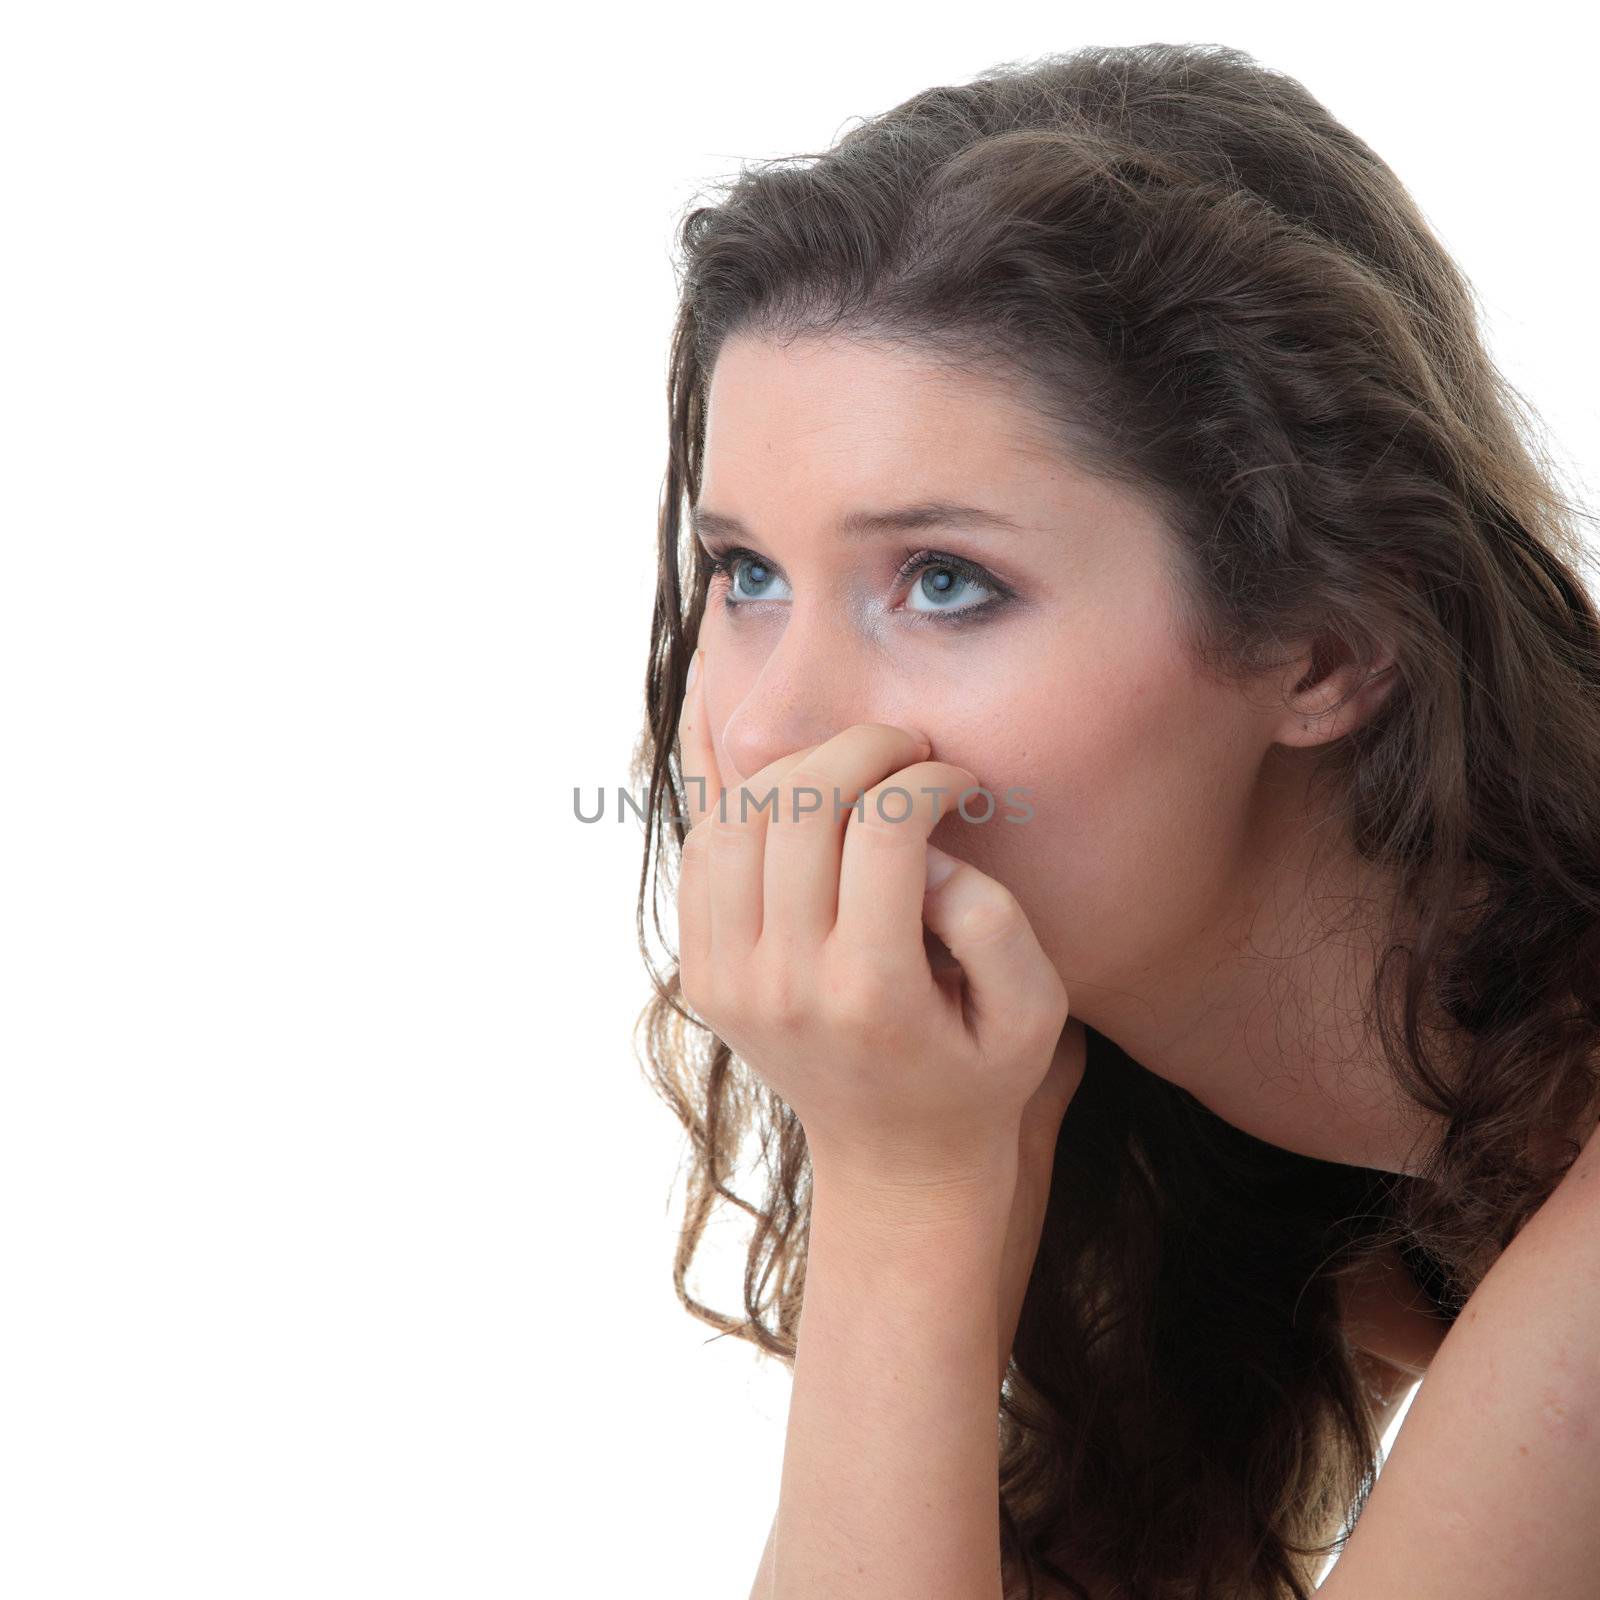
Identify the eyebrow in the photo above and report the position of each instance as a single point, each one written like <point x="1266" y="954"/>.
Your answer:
<point x="865" y="524"/>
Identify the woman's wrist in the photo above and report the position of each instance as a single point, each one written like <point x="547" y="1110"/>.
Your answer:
<point x="882" y="1206"/>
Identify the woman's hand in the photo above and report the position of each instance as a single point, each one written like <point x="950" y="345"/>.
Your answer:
<point x="800" y="921"/>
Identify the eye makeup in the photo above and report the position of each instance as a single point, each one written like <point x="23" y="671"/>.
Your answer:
<point x="727" y="563"/>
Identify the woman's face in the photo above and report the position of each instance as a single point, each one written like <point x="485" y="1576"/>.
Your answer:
<point x="1052" y="664"/>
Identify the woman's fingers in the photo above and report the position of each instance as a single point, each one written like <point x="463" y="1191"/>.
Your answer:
<point x="813" y="812"/>
<point x="697" y="761"/>
<point x="719" y="874"/>
<point x="736" y="851"/>
<point x="809" y="849"/>
<point x="697" y="756"/>
<point x="1012" y="985"/>
<point x="801" y="943"/>
<point x="883" y="867"/>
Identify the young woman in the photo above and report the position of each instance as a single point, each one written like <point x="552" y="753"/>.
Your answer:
<point x="1160" y="968"/>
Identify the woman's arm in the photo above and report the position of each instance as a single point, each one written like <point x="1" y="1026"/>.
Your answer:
<point x="1041" y="1126"/>
<point x="761" y="1589"/>
<point x="1492" y="1486"/>
<point x="809" y="960"/>
<point x="890" y="1484"/>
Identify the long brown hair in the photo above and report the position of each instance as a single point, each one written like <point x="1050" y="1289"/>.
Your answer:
<point x="1225" y="300"/>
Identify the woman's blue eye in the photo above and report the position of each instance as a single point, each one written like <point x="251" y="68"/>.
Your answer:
<point x="941" y="581"/>
<point x="944" y="584"/>
<point x="749" y="577"/>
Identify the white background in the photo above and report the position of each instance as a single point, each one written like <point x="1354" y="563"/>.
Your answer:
<point x="336" y="1216"/>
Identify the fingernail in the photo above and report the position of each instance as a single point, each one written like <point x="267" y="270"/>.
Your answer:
<point x="940" y="866"/>
<point x="694" y="667"/>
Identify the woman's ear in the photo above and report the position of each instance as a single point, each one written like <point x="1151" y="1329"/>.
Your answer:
<point x="1329" y="690"/>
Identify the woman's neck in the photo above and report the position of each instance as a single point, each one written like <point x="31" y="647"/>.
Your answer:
<point x="1262" y="1013"/>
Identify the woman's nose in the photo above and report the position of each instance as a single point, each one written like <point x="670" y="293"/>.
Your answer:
<point x="803" y="694"/>
<point x="768" y="726"/>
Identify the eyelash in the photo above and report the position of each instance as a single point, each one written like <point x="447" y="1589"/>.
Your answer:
<point x="722" y="561"/>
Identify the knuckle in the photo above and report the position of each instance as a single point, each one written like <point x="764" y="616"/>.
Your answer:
<point x="1060" y="999"/>
<point x="728" y="818"/>
<point x="803" y="802"/>
<point x="785" y="1013"/>
<point x="863" y="996"/>
<point x="804" y="776"/>
<point x="1040" y="1029"/>
<point x="789" y="832"/>
<point x="777" y="991"/>
<point x="1040" y="1024"/>
<point x="735" y="811"/>
<point x="887" y="823"/>
<point x="992" y="920"/>
<point x="887" y="811"/>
